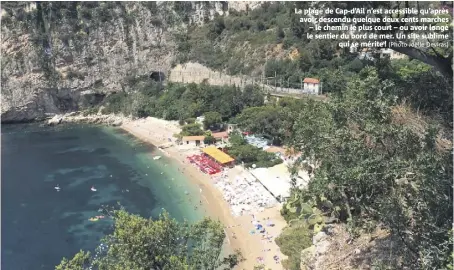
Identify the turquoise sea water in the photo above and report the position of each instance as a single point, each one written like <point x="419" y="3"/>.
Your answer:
<point x="40" y="225"/>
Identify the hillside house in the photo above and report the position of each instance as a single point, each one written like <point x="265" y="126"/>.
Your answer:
<point x="371" y="54"/>
<point x="311" y="86"/>
<point x="199" y="120"/>
<point x="231" y="128"/>
<point x="193" y="140"/>
<point x="392" y="54"/>
<point x="366" y="53"/>
<point x="221" y="136"/>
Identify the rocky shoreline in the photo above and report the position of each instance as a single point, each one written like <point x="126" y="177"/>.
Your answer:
<point x="79" y="117"/>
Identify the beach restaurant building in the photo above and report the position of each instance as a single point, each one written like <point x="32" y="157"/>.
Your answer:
<point x="193" y="140"/>
<point x="218" y="156"/>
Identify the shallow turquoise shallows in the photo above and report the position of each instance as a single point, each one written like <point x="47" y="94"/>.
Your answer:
<point x="40" y="225"/>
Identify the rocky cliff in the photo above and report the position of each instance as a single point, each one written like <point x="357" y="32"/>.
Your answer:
<point x="59" y="57"/>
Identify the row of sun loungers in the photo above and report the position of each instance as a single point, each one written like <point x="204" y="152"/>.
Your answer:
<point x="205" y="164"/>
<point x="244" y="194"/>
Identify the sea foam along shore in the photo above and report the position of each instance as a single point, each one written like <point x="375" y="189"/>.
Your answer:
<point x="157" y="132"/>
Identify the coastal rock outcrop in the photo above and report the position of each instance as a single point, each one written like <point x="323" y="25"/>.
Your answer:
<point x="334" y="247"/>
<point x="78" y="117"/>
<point x="59" y="57"/>
<point x="72" y="71"/>
<point x="313" y="255"/>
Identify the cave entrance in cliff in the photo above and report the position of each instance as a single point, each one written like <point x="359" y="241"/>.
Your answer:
<point x="157" y="76"/>
<point x="225" y="6"/>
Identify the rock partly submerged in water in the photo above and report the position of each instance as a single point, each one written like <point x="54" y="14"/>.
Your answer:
<point x="57" y="119"/>
<point x="117" y="123"/>
<point x="76" y="117"/>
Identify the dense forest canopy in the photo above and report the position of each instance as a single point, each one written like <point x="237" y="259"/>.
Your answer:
<point x="438" y="57"/>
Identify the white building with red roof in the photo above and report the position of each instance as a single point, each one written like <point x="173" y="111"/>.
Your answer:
<point x="311" y="86"/>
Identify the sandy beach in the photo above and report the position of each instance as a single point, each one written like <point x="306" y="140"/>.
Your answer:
<point x="157" y="132"/>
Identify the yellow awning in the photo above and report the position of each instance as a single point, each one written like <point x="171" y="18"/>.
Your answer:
<point x="217" y="154"/>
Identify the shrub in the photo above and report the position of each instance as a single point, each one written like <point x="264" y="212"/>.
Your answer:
<point x="190" y="121"/>
<point x="192" y="130"/>
<point x="209" y="140"/>
<point x="212" y="120"/>
<point x="291" y="242"/>
<point x="280" y="34"/>
<point x="250" y="155"/>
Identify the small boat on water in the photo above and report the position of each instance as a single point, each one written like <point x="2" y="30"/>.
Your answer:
<point x="93" y="188"/>
<point x="156" y="157"/>
<point x="57" y="188"/>
<point x="93" y="219"/>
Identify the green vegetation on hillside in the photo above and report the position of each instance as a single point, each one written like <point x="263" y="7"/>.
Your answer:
<point x="181" y="102"/>
<point x="245" y="43"/>
<point x="231" y="42"/>
<point x="266" y="41"/>
<point x="292" y="241"/>
<point x="379" y="164"/>
<point x="193" y="129"/>
<point x="140" y="243"/>
<point x="271" y="41"/>
<point x="249" y="154"/>
<point x="213" y="120"/>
